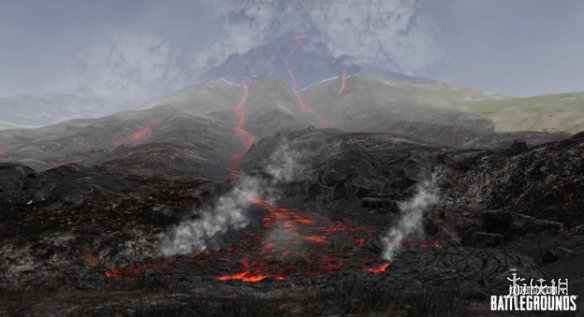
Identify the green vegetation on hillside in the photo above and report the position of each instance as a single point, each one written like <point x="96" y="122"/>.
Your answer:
<point x="553" y="113"/>
<point x="5" y="126"/>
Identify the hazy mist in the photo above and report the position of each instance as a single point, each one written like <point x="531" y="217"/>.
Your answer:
<point x="137" y="50"/>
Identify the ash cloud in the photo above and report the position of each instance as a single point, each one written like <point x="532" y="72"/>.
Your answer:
<point x="380" y="32"/>
<point x="128" y="66"/>
<point x="411" y="220"/>
<point x="229" y="211"/>
<point x="149" y="49"/>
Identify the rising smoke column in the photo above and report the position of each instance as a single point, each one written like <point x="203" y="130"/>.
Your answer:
<point x="378" y="32"/>
<point x="411" y="220"/>
<point x="230" y="210"/>
<point x="228" y="213"/>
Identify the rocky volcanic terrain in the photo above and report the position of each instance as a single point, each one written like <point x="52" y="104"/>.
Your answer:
<point x="84" y="241"/>
<point x="287" y="198"/>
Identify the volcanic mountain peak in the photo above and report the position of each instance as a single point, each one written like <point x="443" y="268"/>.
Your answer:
<point x="306" y="59"/>
<point x="175" y="168"/>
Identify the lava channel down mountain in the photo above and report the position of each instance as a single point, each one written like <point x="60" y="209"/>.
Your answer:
<point x="286" y="243"/>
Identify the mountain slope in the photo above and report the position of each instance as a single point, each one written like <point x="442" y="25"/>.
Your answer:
<point x="6" y="126"/>
<point x="309" y="62"/>
<point x="180" y="124"/>
<point x="553" y="113"/>
<point x="199" y="122"/>
<point x="51" y="108"/>
<point x="373" y="101"/>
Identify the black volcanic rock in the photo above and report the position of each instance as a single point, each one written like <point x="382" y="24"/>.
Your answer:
<point x="67" y="226"/>
<point x="86" y="225"/>
<point x="462" y="137"/>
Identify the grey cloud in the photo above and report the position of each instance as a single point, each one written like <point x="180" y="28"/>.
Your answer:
<point x="381" y="32"/>
<point x="520" y="47"/>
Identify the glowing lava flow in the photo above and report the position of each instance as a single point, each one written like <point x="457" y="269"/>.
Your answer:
<point x="246" y="138"/>
<point x="322" y="122"/>
<point x="378" y="269"/>
<point x="138" y="135"/>
<point x="3" y="152"/>
<point x="343" y="84"/>
<point x="288" y="243"/>
<point x="299" y="101"/>
<point x="288" y="236"/>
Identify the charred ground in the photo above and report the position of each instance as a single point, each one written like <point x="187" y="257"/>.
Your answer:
<point x="85" y="204"/>
<point x="63" y="229"/>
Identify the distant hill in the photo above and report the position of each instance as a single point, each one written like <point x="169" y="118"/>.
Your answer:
<point x="371" y="102"/>
<point x="309" y="62"/>
<point x="51" y="108"/>
<point x="6" y="126"/>
<point x="197" y="124"/>
<point x="551" y="113"/>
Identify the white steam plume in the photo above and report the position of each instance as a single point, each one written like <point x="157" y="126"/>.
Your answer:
<point x="387" y="32"/>
<point x="127" y="66"/>
<point x="137" y="64"/>
<point x="230" y="210"/>
<point x="411" y="220"/>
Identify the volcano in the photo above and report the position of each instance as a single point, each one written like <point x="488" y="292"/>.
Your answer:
<point x="230" y="199"/>
<point x="310" y="59"/>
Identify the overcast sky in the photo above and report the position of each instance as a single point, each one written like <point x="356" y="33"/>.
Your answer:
<point x="132" y="47"/>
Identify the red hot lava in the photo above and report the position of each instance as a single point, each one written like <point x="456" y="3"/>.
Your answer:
<point x="3" y="152"/>
<point x="378" y="269"/>
<point x="323" y="123"/>
<point x="299" y="101"/>
<point x="289" y="243"/>
<point x="138" y="135"/>
<point x="293" y="243"/>
<point x="246" y="138"/>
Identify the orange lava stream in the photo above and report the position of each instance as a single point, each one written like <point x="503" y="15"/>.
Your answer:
<point x="288" y="243"/>
<point x="246" y="138"/>
<point x="299" y="101"/>
<point x="343" y="84"/>
<point x="3" y="152"/>
<point x="322" y="122"/>
<point x="138" y="135"/>
<point x="246" y="275"/>
<point x="295" y="229"/>
<point x="378" y="269"/>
